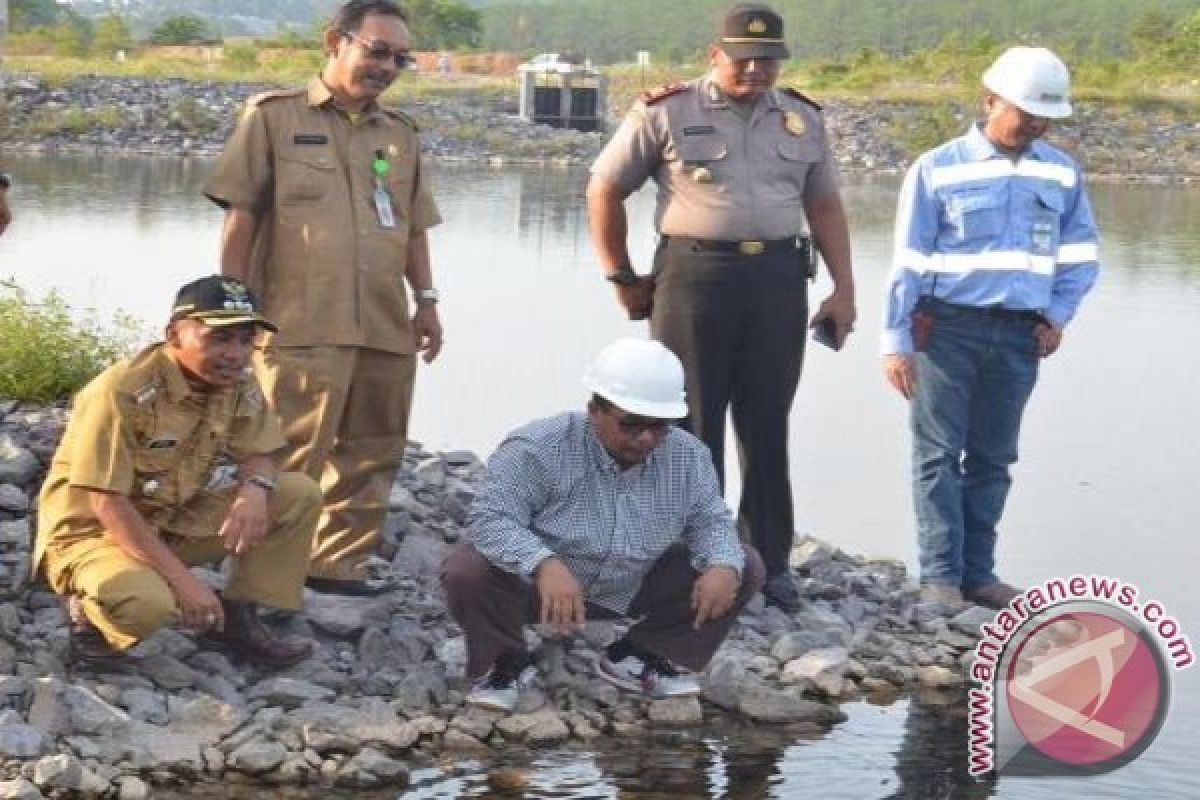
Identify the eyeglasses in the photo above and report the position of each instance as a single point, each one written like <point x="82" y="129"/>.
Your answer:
<point x="633" y="425"/>
<point x="382" y="51"/>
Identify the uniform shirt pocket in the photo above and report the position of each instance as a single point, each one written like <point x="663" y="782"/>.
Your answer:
<point x="156" y="474"/>
<point x="975" y="213"/>
<point x="700" y="157"/>
<point x="1046" y="220"/>
<point x="303" y="176"/>
<point x="795" y="149"/>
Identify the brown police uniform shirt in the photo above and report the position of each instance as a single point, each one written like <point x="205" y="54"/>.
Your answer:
<point x="324" y="268"/>
<point x="721" y="175"/>
<point x="138" y="429"/>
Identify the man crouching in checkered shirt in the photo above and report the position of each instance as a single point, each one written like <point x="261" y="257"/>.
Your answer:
<point x="606" y="514"/>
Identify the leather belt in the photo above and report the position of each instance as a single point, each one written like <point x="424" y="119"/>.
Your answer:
<point x="746" y="247"/>
<point x="995" y="311"/>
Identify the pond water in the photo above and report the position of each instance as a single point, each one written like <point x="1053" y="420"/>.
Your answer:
<point x="1105" y="485"/>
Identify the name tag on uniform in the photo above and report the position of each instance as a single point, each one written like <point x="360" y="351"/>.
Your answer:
<point x="699" y="130"/>
<point x="161" y="444"/>
<point x="310" y="138"/>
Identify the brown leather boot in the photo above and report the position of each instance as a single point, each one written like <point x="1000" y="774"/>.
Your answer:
<point x="246" y="635"/>
<point x="88" y="645"/>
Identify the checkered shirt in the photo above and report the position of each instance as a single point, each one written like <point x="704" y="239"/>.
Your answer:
<point x="551" y="489"/>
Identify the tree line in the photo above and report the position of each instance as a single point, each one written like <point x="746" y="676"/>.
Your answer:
<point x="676" y="31"/>
<point x="44" y="25"/>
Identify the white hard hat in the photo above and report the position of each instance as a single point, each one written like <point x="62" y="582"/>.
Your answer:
<point x="1033" y="79"/>
<point x="639" y="376"/>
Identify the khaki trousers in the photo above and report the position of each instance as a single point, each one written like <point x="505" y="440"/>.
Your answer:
<point x="128" y="600"/>
<point x="345" y="414"/>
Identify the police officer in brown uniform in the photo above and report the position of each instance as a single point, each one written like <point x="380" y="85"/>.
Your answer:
<point x="739" y="166"/>
<point x="327" y="208"/>
<point x="165" y="464"/>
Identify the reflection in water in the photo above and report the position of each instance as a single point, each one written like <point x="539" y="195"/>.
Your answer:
<point x="931" y="763"/>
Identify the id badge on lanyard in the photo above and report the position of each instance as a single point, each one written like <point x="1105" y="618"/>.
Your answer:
<point x="383" y="198"/>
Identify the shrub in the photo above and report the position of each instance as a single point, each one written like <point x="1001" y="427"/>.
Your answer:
<point x="47" y="353"/>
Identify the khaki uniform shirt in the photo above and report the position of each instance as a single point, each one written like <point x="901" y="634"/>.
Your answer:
<point x="721" y="175"/>
<point x="138" y="429"/>
<point x="325" y="269"/>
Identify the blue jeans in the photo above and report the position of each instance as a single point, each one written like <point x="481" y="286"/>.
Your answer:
<point x="973" y="381"/>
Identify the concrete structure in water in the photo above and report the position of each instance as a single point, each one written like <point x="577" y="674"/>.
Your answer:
<point x="562" y="94"/>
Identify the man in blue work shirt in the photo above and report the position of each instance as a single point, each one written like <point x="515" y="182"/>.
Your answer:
<point x="995" y="248"/>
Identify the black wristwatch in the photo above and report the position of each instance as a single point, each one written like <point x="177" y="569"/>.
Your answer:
<point x="624" y="276"/>
<point x="5" y="181"/>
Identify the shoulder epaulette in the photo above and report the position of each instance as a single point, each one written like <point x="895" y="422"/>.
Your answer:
<point x="802" y="98"/>
<point x="652" y="96"/>
<point x="400" y="115"/>
<point x="274" y="94"/>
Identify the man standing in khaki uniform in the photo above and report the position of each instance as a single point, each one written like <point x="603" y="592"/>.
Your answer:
<point x="165" y="464"/>
<point x="327" y="209"/>
<point x="739" y="165"/>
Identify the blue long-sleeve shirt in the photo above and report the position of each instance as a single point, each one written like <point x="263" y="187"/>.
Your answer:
<point x="975" y="228"/>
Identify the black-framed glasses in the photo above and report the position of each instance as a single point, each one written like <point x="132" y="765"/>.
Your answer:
<point x="634" y="425"/>
<point x="382" y="51"/>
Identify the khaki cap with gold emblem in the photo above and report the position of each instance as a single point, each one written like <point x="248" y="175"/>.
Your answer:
<point x="752" y="30"/>
<point x="218" y="301"/>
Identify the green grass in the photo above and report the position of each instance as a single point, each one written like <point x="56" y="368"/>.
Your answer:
<point x="48" y="352"/>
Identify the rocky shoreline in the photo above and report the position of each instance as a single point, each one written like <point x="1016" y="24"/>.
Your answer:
<point x="384" y="692"/>
<point x="177" y="117"/>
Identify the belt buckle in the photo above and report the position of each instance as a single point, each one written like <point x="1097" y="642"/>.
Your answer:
<point x="751" y="248"/>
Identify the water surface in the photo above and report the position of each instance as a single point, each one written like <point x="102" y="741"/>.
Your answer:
<point x="1105" y="485"/>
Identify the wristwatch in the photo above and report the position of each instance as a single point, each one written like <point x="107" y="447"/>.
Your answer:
<point x="426" y="295"/>
<point x="5" y="181"/>
<point x="262" y="482"/>
<point x="624" y="276"/>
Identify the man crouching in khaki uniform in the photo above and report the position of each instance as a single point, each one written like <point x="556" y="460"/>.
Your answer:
<point x="166" y="464"/>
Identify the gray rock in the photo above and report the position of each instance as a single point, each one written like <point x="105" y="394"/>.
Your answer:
<point x="936" y="677"/>
<point x="792" y="645"/>
<point x="167" y="671"/>
<point x="386" y="770"/>
<point x="344" y="617"/>
<point x="257" y="757"/>
<point x="413" y="642"/>
<point x="131" y="787"/>
<point x="765" y="704"/>
<point x="289" y="692"/>
<point x="21" y="741"/>
<point x="19" y="789"/>
<point x="679" y="711"/>
<point x="475" y="721"/>
<point x="15" y="533"/>
<point x="725" y="675"/>
<point x="456" y="739"/>
<point x="549" y="730"/>
<point x="328" y="728"/>
<point x="17" y="465"/>
<point x="421" y="689"/>
<point x="92" y="715"/>
<point x="452" y="653"/>
<point x="825" y="668"/>
<point x="145" y="705"/>
<point x="971" y="620"/>
<point x="64" y="771"/>
<point x="13" y="499"/>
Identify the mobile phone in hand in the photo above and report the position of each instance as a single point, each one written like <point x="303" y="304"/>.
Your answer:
<point x="825" y="332"/>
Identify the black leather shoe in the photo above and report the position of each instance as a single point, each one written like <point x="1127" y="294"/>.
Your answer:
<point x="780" y="591"/>
<point x="89" y="648"/>
<point x="370" y="587"/>
<point x="246" y="635"/>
